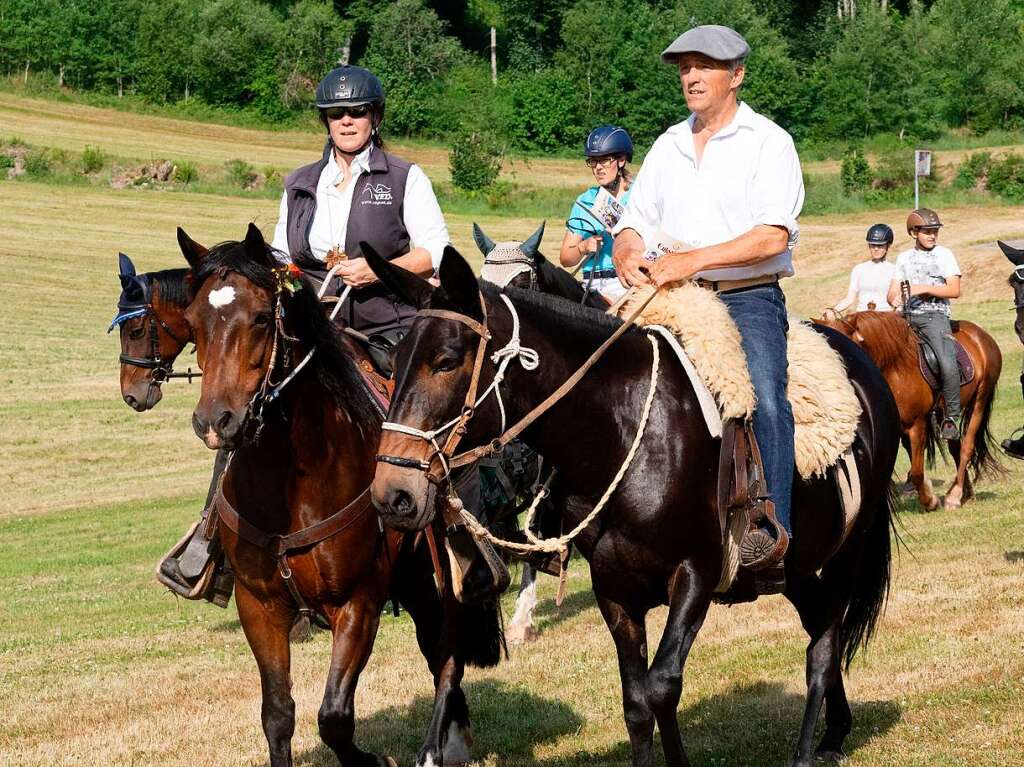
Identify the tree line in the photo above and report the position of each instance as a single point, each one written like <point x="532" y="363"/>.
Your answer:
<point x="824" y="69"/>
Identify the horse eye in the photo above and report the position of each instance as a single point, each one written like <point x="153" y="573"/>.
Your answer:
<point x="136" y="333"/>
<point x="445" y="363"/>
<point x="261" y="319"/>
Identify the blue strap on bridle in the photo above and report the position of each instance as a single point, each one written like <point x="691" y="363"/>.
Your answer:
<point x="123" y="317"/>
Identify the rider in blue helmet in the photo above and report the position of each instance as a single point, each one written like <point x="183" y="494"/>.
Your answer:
<point x="869" y="280"/>
<point x="608" y="149"/>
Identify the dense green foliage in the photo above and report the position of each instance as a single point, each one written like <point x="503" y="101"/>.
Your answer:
<point x="910" y="70"/>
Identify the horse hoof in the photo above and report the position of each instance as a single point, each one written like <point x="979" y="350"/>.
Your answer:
<point x="387" y="761"/>
<point x="933" y="505"/>
<point x="521" y="634"/>
<point x="952" y="504"/>
<point x="830" y="757"/>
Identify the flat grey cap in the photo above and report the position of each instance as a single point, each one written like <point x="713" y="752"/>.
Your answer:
<point x="714" y="41"/>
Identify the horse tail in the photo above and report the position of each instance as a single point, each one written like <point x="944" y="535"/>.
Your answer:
<point x="871" y="585"/>
<point x="932" y="444"/>
<point x="481" y="634"/>
<point x="983" y="460"/>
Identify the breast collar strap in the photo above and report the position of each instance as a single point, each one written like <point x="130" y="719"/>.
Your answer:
<point x="456" y="428"/>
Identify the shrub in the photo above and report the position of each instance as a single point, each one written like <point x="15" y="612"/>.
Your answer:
<point x="973" y="172"/>
<point x="93" y="159"/>
<point x="475" y="160"/>
<point x="1006" y="177"/>
<point x="895" y="170"/>
<point x="37" y="164"/>
<point x="186" y="172"/>
<point x="499" y="194"/>
<point x="6" y="161"/>
<point x="240" y="173"/>
<point x="855" y="172"/>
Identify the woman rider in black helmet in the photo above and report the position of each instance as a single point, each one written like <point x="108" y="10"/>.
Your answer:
<point x="869" y="280"/>
<point x="357" y="192"/>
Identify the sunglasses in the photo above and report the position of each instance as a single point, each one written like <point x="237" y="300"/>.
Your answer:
<point x="336" y="113"/>
<point x="604" y="162"/>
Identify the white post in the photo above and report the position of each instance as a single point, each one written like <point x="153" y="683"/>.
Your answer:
<point x="916" y="193"/>
<point x="494" y="57"/>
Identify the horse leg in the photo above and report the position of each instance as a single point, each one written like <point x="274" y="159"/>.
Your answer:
<point x="925" y="494"/>
<point x="266" y="628"/>
<point x="821" y="612"/>
<point x="630" y="636"/>
<point x="689" y="599"/>
<point x="961" y="490"/>
<point x="521" y="628"/>
<point x="448" y="735"/>
<point x="354" y="629"/>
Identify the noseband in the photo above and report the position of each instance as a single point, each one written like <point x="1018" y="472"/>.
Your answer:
<point x="162" y="369"/>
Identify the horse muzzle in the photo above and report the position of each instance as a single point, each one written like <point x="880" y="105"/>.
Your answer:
<point x="223" y="430"/>
<point x="404" y="505"/>
<point x="143" y="397"/>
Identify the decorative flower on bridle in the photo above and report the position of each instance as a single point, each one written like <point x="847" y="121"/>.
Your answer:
<point x="288" y="277"/>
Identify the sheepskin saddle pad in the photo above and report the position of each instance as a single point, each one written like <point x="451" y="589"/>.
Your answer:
<point x="825" y="407"/>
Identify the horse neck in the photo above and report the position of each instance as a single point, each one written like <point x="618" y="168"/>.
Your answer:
<point x="620" y="374"/>
<point x="892" y="344"/>
<point x="313" y="458"/>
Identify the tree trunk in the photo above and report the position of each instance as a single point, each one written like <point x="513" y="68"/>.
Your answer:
<point x="120" y="87"/>
<point x="186" y="89"/>
<point x="25" y="78"/>
<point x="346" y="51"/>
<point x="494" y="56"/>
<point x="60" y="77"/>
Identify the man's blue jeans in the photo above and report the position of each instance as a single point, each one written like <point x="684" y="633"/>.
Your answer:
<point x="760" y="315"/>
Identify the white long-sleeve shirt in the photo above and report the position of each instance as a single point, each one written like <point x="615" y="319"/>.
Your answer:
<point x="422" y="214"/>
<point x="749" y="174"/>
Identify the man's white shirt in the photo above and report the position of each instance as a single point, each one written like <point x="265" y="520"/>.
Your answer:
<point x="749" y="174"/>
<point x="870" y="281"/>
<point x="420" y="211"/>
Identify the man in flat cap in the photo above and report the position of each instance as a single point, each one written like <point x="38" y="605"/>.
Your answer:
<point x="725" y="186"/>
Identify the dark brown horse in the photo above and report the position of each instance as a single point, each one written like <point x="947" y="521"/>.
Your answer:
<point x="302" y="462"/>
<point x="659" y="540"/>
<point x="892" y="344"/>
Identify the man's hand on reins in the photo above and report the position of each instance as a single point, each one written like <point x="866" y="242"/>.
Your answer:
<point x="356" y="273"/>
<point x="672" y="267"/>
<point x="628" y="257"/>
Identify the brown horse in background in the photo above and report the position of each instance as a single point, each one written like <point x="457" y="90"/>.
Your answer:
<point x="892" y="344"/>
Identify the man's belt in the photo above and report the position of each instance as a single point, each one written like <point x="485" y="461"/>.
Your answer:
<point x="724" y="286"/>
<point x="599" y="274"/>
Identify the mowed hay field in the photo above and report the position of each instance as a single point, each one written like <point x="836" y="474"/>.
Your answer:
<point x="99" y="665"/>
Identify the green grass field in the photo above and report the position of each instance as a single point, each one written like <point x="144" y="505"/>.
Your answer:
<point x="99" y="665"/>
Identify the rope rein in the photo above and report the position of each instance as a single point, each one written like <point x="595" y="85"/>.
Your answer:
<point x="561" y="543"/>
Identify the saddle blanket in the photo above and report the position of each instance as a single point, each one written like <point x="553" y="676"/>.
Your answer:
<point x="825" y="407"/>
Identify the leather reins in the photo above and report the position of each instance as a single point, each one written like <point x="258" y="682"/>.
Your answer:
<point x="445" y="454"/>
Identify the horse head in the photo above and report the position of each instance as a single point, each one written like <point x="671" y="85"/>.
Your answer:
<point x="845" y="325"/>
<point x="510" y="262"/>
<point x="434" y="368"/>
<point x="1016" y="257"/>
<point x="152" y="326"/>
<point x="234" y="324"/>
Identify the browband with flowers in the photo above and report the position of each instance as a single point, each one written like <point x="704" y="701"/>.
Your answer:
<point x="288" y="277"/>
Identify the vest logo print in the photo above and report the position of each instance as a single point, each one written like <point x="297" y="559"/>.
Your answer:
<point x="377" y="194"/>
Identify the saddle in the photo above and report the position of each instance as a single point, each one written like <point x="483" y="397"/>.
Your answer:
<point x="928" y="362"/>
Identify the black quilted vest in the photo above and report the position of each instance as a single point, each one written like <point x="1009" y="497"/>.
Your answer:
<point x="376" y="217"/>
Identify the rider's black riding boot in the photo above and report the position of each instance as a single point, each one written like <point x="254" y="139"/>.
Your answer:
<point x="1015" y="447"/>
<point x="481" y="574"/>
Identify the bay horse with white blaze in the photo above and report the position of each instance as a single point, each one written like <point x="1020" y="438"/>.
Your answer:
<point x="293" y="508"/>
<point x="890" y="341"/>
<point x="659" y="540"/>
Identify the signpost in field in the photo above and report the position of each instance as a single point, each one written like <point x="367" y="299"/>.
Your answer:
<point x="922" y="167"/>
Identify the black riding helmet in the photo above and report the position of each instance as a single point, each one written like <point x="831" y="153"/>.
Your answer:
<point x="880" y="234"/>
<point x="351" y="86"/>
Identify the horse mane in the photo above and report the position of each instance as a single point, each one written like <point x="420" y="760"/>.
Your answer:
<point x="560" y="280"/>
<point x="175" y="286"/>
<point x="885" y="333"/>
<point x="335" y="368"/>
<point x="560" y="316"/>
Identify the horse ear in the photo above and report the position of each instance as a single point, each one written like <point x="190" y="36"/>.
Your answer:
<point x="410" y="288"/>
<point x="485" y="243"/>
<point x="1015" y="255"/>
<point x="190" y="249"/>
<point x="127" y="268"/>
<point x="532" y="245"/>
<point x="459" y="283"/>
<point x="256" y="247"/>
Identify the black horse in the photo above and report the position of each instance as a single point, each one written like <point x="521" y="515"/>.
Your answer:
<point x="659" y="540"/>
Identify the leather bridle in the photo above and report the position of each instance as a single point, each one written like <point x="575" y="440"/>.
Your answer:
<point x="162" y="369"/>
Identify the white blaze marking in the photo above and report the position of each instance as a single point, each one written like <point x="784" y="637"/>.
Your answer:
<point x="222" y="296"/>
